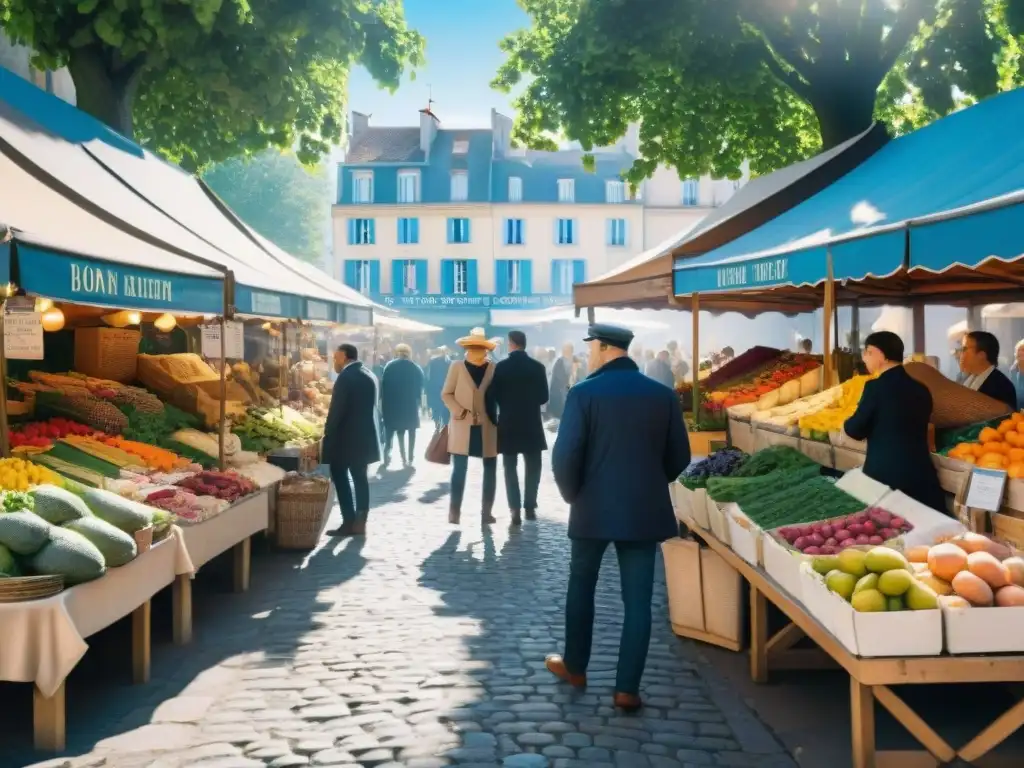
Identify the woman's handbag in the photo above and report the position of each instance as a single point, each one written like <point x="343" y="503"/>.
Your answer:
<point x="437" y="448"/>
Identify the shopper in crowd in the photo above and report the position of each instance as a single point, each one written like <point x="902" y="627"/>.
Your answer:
<point x="472" y="430"/>
<point x="660" y="369"/>
<point x="401" y="388"/>
<point x="1016" y="375"/>
<point x="622" y="441"/>
<point x="520" y="390"/>
<point x="979" y="356"/>
<point x="893" y="416"/>
<point x="561" y="380"/>
<point x="437" y="372"/>
<point x="806" y="345"/>
<point x="351" y="440"/>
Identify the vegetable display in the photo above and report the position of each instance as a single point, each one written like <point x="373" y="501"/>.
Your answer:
<point x="20" y="474"/>
<point x="41" y="434"/>
<point x="774" y="375"/>
<point x="228" y="486"/>
<point x="809" y="501"/>
<point x="873" y="526"/>
<point x="832" y="418"/>
<point x="719" y="464"/>
<point x="263" y="430"/>
<point x="776" y="457"/>
<point x="736" y="488"/>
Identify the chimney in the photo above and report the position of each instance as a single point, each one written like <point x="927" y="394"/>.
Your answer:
<point x="428" y="130"/>
<point x="501" y="130"/>
<point x="360" y="123"/>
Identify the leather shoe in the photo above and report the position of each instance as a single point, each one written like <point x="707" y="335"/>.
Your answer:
<point x="628" y="702"/>
<point x="517" y="519"/>
<point x="531" y="514"/>
<point x="454" y="515"/>
<point x="556" y="666"/>
<point x="357" y="528"/>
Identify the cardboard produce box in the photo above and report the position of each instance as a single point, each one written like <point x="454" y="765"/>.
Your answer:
<point x="705" y="594"/>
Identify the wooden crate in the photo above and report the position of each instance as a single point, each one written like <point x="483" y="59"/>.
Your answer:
<point x="107" y="353"/>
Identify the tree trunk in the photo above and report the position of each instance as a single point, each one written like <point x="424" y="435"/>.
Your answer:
<point x="845" y="109"/>
<point x="104" y="91"/>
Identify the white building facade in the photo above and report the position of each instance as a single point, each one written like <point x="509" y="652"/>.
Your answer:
<point x="447" y="224"/>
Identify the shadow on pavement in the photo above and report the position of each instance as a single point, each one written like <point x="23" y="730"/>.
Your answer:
<point x="271" y="621"/>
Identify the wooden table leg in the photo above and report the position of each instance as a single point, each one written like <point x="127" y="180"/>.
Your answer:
<point x="758" y="636"/>
<point x="49" y="721"/>
<point x="862" y="721"/>
<point x="1005" y="726"/>
<point x="141" y="642"/>
<point x="243" y="562"/>
<point x="182" y="600"/>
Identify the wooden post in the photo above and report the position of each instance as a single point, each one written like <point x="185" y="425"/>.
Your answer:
<point x="855" y="326"/>
<point x="181" y="598"/>
<point x="758" y="636"/>
<point x="695" y="311"/>
<point x="862" y="723"/>
<point x="49" y="720"/>
<point x="917" y="313"/>
<point x="827" y="323"/>
<point x="141" y="642"/>
<point x="221" y="460"/>
<point x="242" y="564"/>
<point x="5" y="441"/>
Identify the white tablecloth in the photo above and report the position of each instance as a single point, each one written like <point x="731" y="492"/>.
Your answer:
<point x="41" y="641"/>
<point x="218" y="534"/>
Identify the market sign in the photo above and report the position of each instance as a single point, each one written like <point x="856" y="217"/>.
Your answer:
<point x="85" y="281"/>
<point x="251" y="301"/>
<point x="319" y="310"/>
<point x="478" y="301"/>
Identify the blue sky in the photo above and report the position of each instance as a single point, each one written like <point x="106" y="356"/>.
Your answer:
<point x="462" y="58"/>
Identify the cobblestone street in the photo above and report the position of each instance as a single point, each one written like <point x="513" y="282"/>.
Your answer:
<point x="422" y="646"/>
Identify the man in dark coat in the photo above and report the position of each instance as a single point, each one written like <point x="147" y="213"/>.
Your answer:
<point x="437" y="372"/>
<point x="893" y="415"/>
<point x="520" y="390"/>
<point x="351" y="441"/>
<point x="621" y="443"/>
<point x="979" y="356"/>
<point x="660" y="369"/>
<point x="401" y="391"/>
<point x="561" y="380"/>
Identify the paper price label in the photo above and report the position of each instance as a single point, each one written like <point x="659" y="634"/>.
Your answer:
<point x="233" y="341"/>
<point x="986" y="489"/>
<point x="23" y="335"/>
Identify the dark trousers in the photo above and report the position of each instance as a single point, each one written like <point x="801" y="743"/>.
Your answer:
<point x="460" y="466"/>
<point x="346" y="478"/>
<point x="636" y="568"/>
<point x="406" y="444"/>
<point x="510" y="462"/>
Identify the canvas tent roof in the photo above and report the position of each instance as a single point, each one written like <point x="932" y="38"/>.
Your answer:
<point x="140" y="191"/>
<point x="646" y="280"/>
<point x="935" y="213"/>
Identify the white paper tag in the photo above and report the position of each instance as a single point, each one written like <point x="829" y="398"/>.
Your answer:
<point x="986" y="489"/>
<point x="233" y="342"/>
<point x="23" y="335"/>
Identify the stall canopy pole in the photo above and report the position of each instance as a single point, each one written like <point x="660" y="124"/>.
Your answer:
<point x="974" y="318"/>
<point x="229" y="299"/>
<point x="855" y="326"/>
<point x="917" y="313"/>
<point x="827" y="322"/>
<point x="695" y="310"/>
<point x="5" y="442"/>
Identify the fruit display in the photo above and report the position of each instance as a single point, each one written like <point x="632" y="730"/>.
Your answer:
<point x="786" y="417"/>
<point x="777" y="378"/>
<point x="1000" y="447"/>
<point x="229" y="486"/>
<point x="719" y="464"/>
<point x="740" y="367"/>
<point x="21" y="474"/>
<point x="876" y="580"/>
<point x="971" y="570"/>
<point x="41" y="434"/>
<point x="831" y="418"/>
<point x="873" y="526"/>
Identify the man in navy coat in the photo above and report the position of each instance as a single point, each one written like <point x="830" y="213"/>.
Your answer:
<point x="351" y="440"/>
<point x="621" y="442"/>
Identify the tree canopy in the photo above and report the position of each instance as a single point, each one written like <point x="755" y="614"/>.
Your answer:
<point x="717" y="82"/>
<point x="205" y="80"/>
<point x="277" y="196"/>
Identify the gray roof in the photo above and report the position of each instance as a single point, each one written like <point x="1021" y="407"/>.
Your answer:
<point x="386" y="145"/>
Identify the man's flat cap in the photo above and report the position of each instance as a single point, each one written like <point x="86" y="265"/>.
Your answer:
<point x="612" y="335"/>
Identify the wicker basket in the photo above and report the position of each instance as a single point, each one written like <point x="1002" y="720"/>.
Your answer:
<point x="302" y="511"/>
<point x="107" y="353"/>
<point x="144" y="539"/>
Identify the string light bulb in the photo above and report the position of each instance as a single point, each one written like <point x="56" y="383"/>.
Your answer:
<point x="53" y="320"/>
<point x="44" y="305"/>
<point x="133" y="318"/>
<point x="165" y="323"/>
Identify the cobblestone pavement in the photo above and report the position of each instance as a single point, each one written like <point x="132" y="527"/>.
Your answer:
<point x="421" y="646"/>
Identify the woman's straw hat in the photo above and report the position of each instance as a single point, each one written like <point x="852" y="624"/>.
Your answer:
<point x="476" y="338"/>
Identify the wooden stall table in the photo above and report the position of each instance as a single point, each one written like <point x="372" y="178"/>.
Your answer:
<point x="871" y="679"/>
<point x="231" y="529"/>
<point x="45" y="639"/>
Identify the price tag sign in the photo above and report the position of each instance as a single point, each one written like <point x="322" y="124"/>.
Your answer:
<point x="233" y="341"/>
<point x="986" y="489"/>
<point x="23" y="335"/>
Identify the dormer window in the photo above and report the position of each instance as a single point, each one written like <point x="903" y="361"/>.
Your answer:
<point x="460" y="147"/>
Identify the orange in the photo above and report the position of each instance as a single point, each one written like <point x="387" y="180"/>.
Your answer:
<point x="970" y="460"/>
<point x="1015" y="470"/>
<point x="1015" y="455"/>
<point x="988" y="435"/>
<point x="978" y="450"/>
<point x="992" y="461"/>
<point x="1005" y="426"/>
<point x="1013" y="437"/>
<point x="1017" y="417"/>
<point x="995" y="447"/>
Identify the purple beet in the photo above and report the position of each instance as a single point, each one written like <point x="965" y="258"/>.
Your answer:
<point x="829" y="550"/>
<point x="843" y="534"/>
<point x="814" y="551"/>
<point x="863" y="539"/>
<point x="826" y="531"/>
<point x="876" y="540"/>
<point x="801" y="543"/>
<point x="831" y="541"/>
<point x="869" y="528"/>
<point x="816" y="539"/>
<point x="888" y="533"/>
<point x="847" y="543"/>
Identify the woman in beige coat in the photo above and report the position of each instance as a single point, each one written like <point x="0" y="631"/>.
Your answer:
<point x="472" y="430"/>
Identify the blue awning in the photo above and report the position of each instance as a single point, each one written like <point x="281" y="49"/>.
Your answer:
<point x="871" y="218"/>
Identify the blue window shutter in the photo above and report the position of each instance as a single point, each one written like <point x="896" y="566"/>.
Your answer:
<point x="375" y="276"/>
<point x="421" y="275"/>
<point x="397" y="267"/>
<point x="471" y="282"/>
<point x="414" y="230"/>
<point x="557" y="230"/>
<point x="521" y="227"/>
<point x="372" y="238"/>
<point x="350" y="273"/>
<point x="451" y="230"/>
<point x="465" y="233"/>
<point x="526" y="276"/>
<point x="572" y="230"/>
<point x="447" y="276"/>
<point x="556" y="287"/>
<point x="625" y="232"/>
<point x="351" y="231"/>
<point x="579" y="271"/>
<point x="501" y="276"/>
<point x="610" y="232"/>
